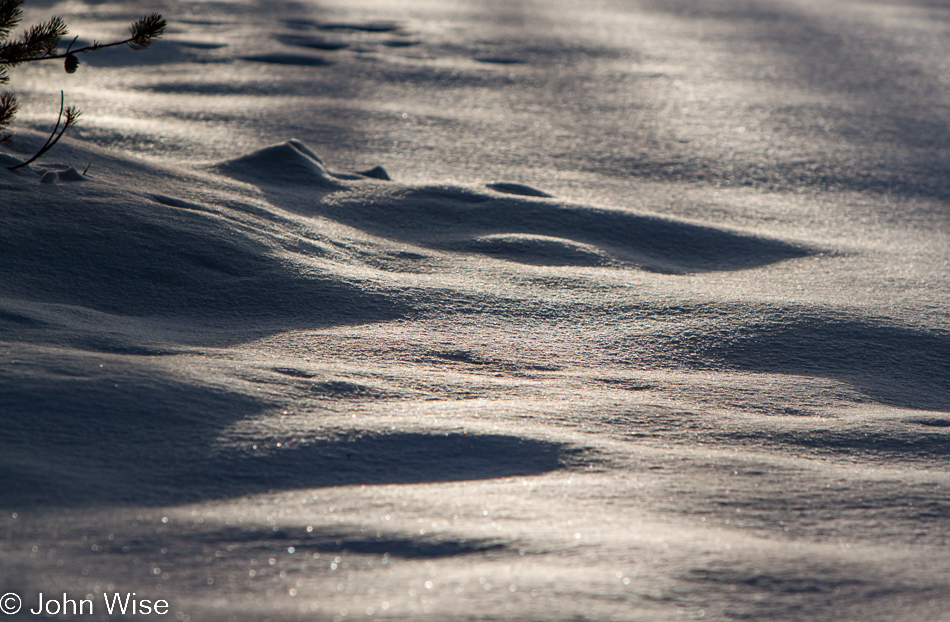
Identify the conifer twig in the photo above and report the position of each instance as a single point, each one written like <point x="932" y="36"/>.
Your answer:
<point x="8" y="109"/>
<point x="39" y="43"/>
<point x="11" y="13"/>
<point x="68" y="115"/>
<point x="144" y="32"/>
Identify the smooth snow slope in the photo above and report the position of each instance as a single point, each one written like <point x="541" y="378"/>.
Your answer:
<point x="649" y="323"/>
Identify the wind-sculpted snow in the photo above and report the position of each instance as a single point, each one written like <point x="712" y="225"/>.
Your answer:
<point x="272" y="328"/>
<point x="161" y="257"/>
<point x="891" y="364"/>
<point x="549" y="232"/>
<point x="147" y="437"/>
<point x="529" y="230"/>
<point x="291" y="162"/>
<point x="556" y="311"/>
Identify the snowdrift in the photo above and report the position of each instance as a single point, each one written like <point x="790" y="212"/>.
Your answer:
<point x="269" y="331"/>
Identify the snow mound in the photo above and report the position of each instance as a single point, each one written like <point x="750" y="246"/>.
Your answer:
<point x="142" y="261"/>
<point x="7" y="160"/>
<point x="290" y="162"/>
<point x="514" y="222"/>
<point x="126" y="251"/>
<point x="71" y="174"/>
<point x="539" y="249"/>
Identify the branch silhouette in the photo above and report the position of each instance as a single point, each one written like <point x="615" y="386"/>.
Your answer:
<point x="41" y="43"/>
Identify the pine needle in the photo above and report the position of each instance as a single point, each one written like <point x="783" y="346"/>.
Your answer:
<point x="11" y="13"/>
<point x="146" y="30"/>
<point x="8" y="109"/>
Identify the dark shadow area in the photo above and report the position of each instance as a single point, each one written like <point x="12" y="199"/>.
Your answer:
<point x="500" y="60"/>
<point x="374" y="27"/>
<point x="80" y="435"/>
<point x="893" y="365"/>
<point x="450" y="218"/>
<point x="164" y="51"/>
<point x="932" y="423"/>
<point x="806" y="504"/>
<point x="907" y="445"/>
<point x="773" y="582"/>
<point x="796" y="589"/>
<point x="392" y="458"/>
<point x="507" y="187"/>
<point x="294" y="60"/>
<point x="343" y="542"/>
<point x="169" y="261"/>
<point x="312" y="42"/>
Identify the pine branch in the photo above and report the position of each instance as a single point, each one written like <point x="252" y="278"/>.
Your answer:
<point x="144" y="32"/>
<point x="44" y="38"/>
<point x="11" y="13"/>
<point x="38" y="42"/>
<point x="8" y="109"/>
<point x="68" y="115"/>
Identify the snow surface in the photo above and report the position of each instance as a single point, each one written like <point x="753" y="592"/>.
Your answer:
<point x="650" y="322"/>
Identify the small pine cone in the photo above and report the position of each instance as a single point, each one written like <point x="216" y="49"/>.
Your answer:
<point x="72" y="63"/>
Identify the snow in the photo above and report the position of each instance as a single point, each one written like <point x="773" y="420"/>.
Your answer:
<point x="426" y="310"/>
